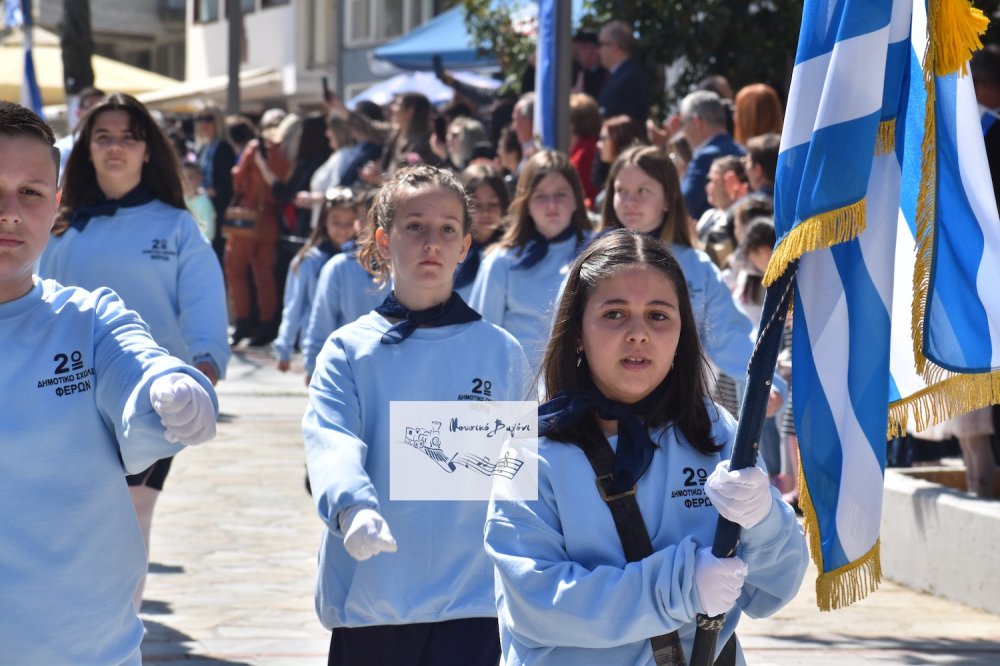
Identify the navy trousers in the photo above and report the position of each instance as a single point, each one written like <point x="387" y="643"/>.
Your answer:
<point x="468" y="642"/>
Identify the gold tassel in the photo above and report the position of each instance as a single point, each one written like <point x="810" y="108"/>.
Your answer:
<point x="954" y="28"/>
<point x="952" y="396"/>
<point x="885" y="141"/>
<point x="851" y="582"/>
<point x="823" y="230"/>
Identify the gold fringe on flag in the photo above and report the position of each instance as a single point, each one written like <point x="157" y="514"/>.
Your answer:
<point x="926" y="198"/>
<point x="850" y="583"/>
<point x="820" y="231"/>
<point x="885" y="141"/>
<point x="955" y="395"/>
<point x="953" y="29"/>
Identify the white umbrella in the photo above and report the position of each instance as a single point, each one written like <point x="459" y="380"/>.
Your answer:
<point x="425" y="83"/>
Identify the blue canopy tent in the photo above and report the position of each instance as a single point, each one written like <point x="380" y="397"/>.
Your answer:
<point x="446" y="35"/>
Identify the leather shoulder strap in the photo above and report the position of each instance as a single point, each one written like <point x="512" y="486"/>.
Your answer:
<point x="632" y="532"/>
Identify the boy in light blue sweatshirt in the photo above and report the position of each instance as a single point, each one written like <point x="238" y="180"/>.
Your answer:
<point x="73" y="554"/>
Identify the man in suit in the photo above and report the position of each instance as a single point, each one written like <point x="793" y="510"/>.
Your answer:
<point x="626" y="90"/>
<point x="588" y="73"/>
<point x="703" y="123"/>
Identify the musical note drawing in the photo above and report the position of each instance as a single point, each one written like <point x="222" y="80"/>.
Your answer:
<point x="506" y="467"/>
<point x="428" y="440"/>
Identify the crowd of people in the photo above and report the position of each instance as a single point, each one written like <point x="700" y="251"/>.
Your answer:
<point x="400" y="251"/>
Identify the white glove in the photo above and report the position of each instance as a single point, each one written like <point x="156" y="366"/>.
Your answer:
<point x="718" y="581"/>
<point x="743" y="496"/>
<point x="185" y="408"/>
<point x="365" y="533"/>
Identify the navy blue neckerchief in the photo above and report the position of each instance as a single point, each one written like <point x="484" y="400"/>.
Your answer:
<point x="635" y="449"/>
<point x="538" y="247"/>
<point x="469" y="268"/>
<point x="327" y="249"/>
<point x="452" y="311"/>
<point x="104" y="207"/>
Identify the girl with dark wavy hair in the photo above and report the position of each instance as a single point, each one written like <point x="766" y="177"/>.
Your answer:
<point x="123" y="224"/>
<point x="625" y="384"/>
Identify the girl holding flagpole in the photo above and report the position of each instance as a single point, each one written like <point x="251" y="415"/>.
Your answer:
<point x="625" y="383"/>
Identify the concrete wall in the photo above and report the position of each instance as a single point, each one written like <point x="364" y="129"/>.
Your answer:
<point x="940" y="540"/>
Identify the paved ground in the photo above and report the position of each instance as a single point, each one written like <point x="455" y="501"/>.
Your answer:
<point x="235" y="537"/>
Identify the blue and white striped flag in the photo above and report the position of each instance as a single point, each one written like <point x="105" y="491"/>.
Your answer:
<point x="897" y="239"/>
<point x="17" y="14"/>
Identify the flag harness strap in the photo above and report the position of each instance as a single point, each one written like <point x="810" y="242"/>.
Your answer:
<point x="667" y="649"/>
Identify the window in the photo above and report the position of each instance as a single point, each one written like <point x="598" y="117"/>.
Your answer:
<point x="320" y="46"/>
<point x="206" y="11"/>
<point x="392" y="19"/>
<point x="373" y="21"/>
<point x="359" y="22"/>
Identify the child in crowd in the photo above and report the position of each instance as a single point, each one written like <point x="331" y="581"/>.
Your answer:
<point x="486" y="188"/>
<point x="338" y="225"/>
<point x="643" y="193"/>
<point x="345" y="290"/>
<point x="625" y="379"/>
<point x="198" y="202"/>
<point x="123" y="224"/>
<point x="84" y="391"/>
<point x="404" y="582"/>
<point x="547" y="225"/>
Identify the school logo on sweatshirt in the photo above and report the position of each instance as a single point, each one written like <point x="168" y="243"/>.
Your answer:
<point x="481" y="389"/>
<point x="692" y="488"/>
<point x="160" y="250"/>
<point x="69" y="376"/>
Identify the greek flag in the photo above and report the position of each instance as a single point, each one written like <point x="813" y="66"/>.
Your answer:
<point x="883" y="194"/>
<point x="17" y="14"/>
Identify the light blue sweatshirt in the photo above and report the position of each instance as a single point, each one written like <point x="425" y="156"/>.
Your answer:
<point x="344" y="292"/>
<point x="157" y="260"/>
<point x="726" y="333"/>
<point x="522" y="301"/>
<point x="565" y="594"/>
<point x="440" y="571"/>
<point x="74" y="396"/>
<point x="300" y="293"/>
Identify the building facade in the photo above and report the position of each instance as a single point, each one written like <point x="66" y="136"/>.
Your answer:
<point x="144" y="33"/>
